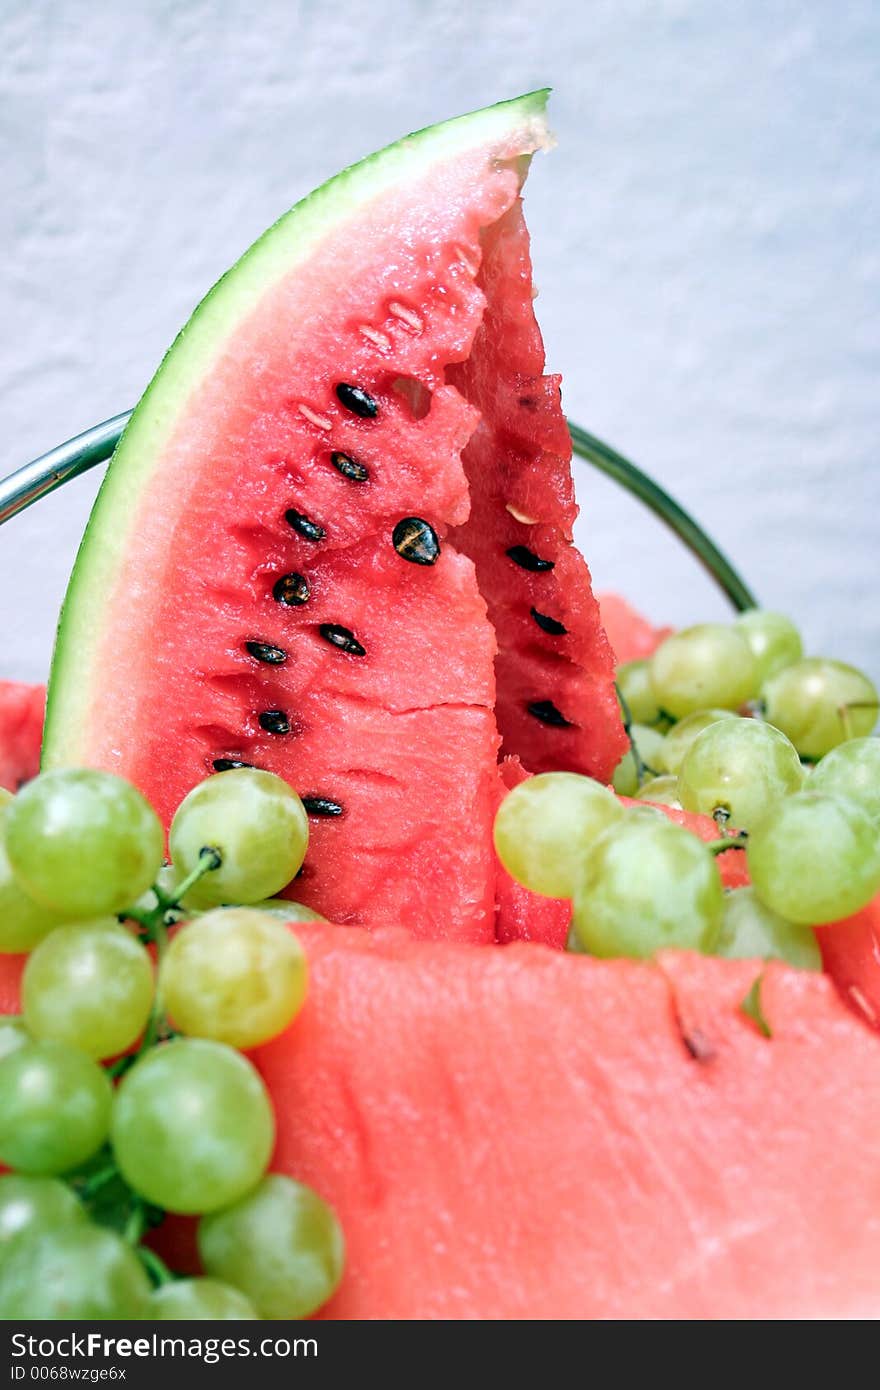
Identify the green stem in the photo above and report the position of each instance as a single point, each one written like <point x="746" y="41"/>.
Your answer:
<point x="209" y="859"/>
<point x="728" y="842"/>
<point x="155" y="1267"/>
<point x="136" y="1224"/>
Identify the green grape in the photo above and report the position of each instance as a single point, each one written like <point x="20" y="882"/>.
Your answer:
<point x="682" y="735"/>
<point x="235" y="975"/>
<point x="815" y="858"/>
<point x="740" y="766"/>
<point x="5" y="797"/>
<point x="83" y="843"/>
<point x="89" y="985"/>
<point x="652" y="751"/>
<point x="773" y="638"/>
<point x="647" y="884"/>
<point x="281" y="1244"/>
<point x="22" y="922"/>
<point x="852" y="769"/>
<point x="660" y="791"/>
<point x="199" y="1300"/>
<point x="750" y="929"/>
<point x="703" y="666"/>
<point x="288" y="911"/>
<point x="13" y="1034"/>
<point x="193" y="1126"/>
<point x="54" y="1108"/>
<point x="78" y="1271"/>
<point x="258" y="824"/>
<point x="30" y="1205"/>
<point x="545" y="824"/>
<point x="819" y="703"/>
<point x="634" y="684"/>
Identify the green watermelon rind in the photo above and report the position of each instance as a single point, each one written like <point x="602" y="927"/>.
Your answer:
<point x="275" y="254"/>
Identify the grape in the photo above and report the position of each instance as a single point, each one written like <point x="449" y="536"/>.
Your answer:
<point x="54" y="1108"/>
<point x="773" y="638"/>
<point x="191" y="1300"/>
<point x="193" y="1126"/>
<point x="651" y="746"/>
<point x="820" y="703"/>
<point x="258" y="824"/>
<point x="740" y="766"/>
<point x="22" y="922"/>
<point x="281" y="1244"/>
<point x="78" y="1271"/>
<point x="28" y="1205"/>
<point x="815" y="858"/>
<point x="5" y="797"/>
<point x="288" y="911"/>
<point x="544" y="825"/>
<point x="703" y="666"/>
<point x="634" y="683"/>
<point x="89" y="985"/>
<point x="682" y="735"/>
<point x="660" y="791"/>
<point x="13" y="1034"/>
<point x="82" y="842"/>
<point x="647" y="884"/>
<point x="852" y="769"/>
<point x="235" y="975"/>
<point x="749" y="929"/>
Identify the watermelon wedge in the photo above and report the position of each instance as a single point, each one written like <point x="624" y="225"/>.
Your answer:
<point x="21" y="730"/>
<point x="523" y="1134"/>
<point x="276" y="571"/>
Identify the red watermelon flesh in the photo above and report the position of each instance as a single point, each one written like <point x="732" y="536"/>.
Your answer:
<point x="21" y="731"/>
<point x="525" y="1134"/>
<point x="632" y="636"/>
<point x="286" y="438"/>
<point x="851" y="956"/>
<point x="556" y="705"/>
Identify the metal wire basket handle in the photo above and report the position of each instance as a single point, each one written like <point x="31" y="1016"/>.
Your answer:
<point x="66" y="461"/>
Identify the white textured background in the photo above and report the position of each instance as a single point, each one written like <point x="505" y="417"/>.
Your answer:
<point x="707" y="245"/>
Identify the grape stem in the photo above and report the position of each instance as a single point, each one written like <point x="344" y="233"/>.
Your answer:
<point x="642" y="769"/>
<point x="155" y="1267"/>
<point x="728" y="842"/>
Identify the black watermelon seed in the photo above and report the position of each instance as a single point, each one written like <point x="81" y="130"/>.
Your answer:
<point x="265" y="652"/>
<point x="546" y="713"/>
<point x="416" y="540"/>
<point x="292" y="590"/>
<point x="357" y="400"/>
<point x="342" y="638"/>
<point x="274" y="721"/>
<point x="227" y="764"/>
<point x="321" y="806"/>
<point x="528" y="560"/>
<point x="309" y="530"/>
<point x="556" y="629"/>
<point x="349" y="467"/>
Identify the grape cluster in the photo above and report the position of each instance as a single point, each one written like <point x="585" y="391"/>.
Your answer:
<point x="734" y="723"/>
<point x="123" y="1090"/>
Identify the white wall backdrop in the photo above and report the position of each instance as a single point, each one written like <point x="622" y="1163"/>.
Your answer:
<point x="707" y="245"/>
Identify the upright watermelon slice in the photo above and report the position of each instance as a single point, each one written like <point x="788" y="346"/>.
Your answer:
<point x="275" y="574"/>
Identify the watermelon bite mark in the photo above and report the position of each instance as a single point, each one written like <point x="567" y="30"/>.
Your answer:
<point x="280" y="568"/>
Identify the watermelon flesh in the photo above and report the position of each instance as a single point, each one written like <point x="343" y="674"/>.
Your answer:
<point x="21" y="731"/>
<point x="277" y="571"/>
<point x="632" y="636"/>
<point x="524" y="1134"/>
<point x="556" y="705"/>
